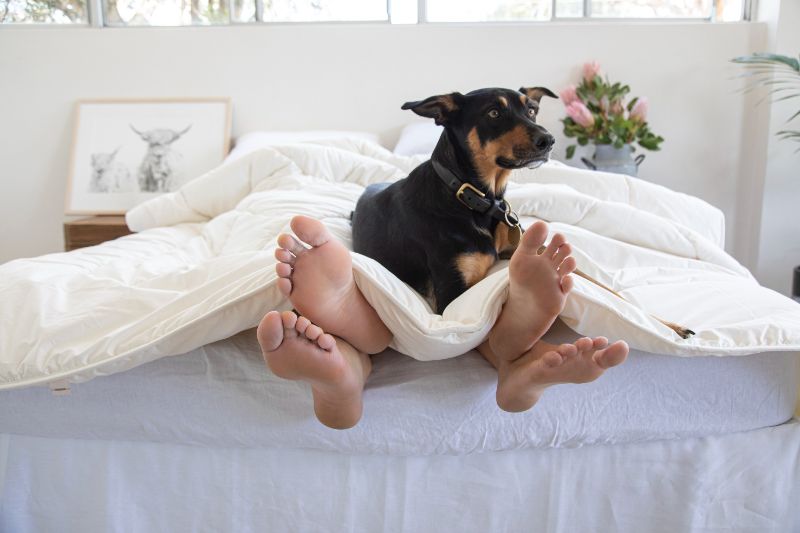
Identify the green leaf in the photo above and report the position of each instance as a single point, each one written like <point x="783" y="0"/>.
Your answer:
<point x="632" y="103"/>
<point x="583" y="141"/>
<point x="767" y="58"/>
<point x="619" y="143"/>
<point x="570" y="151"/>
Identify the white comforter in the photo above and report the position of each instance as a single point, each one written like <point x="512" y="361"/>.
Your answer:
<point x="202" y="269"/>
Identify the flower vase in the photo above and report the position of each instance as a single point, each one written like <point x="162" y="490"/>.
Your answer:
<point x="609" y="159"/>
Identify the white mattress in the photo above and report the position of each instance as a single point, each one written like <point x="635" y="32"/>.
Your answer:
<point x="223" y="395"/>
<point x="740" y="483"/>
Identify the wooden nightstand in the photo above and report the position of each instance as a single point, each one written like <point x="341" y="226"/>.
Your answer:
<point x="94" y="230"/>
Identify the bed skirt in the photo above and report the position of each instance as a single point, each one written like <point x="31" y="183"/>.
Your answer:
<point x="744" y="482"/>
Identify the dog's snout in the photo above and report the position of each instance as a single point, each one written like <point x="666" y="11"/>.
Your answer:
<point x="545" y="142"/>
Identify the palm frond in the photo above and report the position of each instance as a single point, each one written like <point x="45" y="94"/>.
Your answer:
<point x="779" y="75"/>
<point x="769" y="59"/>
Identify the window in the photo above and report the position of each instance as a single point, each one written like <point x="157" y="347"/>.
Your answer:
<point x="177" y="12"/>
<point x="324" y="10"/>
<point x="491" y="10"/>
<point x="543" y="10"/>
<point x="203" y="12"/>
<point x="43" y="11"/>
<point x="209" y="12"/>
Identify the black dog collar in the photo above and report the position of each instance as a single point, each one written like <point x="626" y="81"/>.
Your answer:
<point x="474" y="199"/>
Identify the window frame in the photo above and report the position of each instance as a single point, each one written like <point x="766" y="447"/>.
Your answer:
<point x="96" y="18"/>
<point x="748" y="7"/>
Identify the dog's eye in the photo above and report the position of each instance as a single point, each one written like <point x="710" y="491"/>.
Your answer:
<point x="494" y="113"/>
<point x="531" y="112"/>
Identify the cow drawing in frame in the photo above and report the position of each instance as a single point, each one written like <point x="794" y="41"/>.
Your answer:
<point x="157" y="169"/>
<point x="109" y="175"/>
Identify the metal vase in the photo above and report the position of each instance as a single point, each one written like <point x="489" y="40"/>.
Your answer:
<point x="609" y="159"/>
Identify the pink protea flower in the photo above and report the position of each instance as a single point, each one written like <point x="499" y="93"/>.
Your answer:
<point x="569" y="95"/>
<point x="590" y="70"/>
<point x="578" y="112"/>
<point x="616" y="108"/>
<point x="639" y="111"/>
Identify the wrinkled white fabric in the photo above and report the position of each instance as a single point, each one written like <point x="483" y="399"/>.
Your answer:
<point x="202" y="269"/>
<point x="222" y="395"/>
<point x="738" y="483"/>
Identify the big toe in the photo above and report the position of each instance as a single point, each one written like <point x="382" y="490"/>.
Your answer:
<point x="270" y="331"/>
<point x="613" y="355"/>
<point x="534" y="238"/>
<point x="310" y="230"/>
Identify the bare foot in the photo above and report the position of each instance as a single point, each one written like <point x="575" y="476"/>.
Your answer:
<point x="538" y="287"/>
<point x="319" y="283"/>
<point x="296" y="349"/>
<point x="521" y="382"/>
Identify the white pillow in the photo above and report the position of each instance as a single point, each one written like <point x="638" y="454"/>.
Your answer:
<point x="255" y="140"/>
<point x="418" y="138"/>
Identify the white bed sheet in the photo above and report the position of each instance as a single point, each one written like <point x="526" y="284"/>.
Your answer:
<point x="739" y="483"/>
<point x="223" y="395"/>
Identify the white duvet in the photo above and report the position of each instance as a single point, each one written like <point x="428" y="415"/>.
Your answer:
<point x="201" y="268"/>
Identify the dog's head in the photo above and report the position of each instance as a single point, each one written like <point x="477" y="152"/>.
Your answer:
<point x="495" y="128"/>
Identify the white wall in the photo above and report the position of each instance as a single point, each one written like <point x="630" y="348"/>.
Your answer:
<point x="356" y="77"/>
<point x="780" y="224"/>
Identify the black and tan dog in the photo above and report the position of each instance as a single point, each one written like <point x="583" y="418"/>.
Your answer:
<point x="442" y="228"/>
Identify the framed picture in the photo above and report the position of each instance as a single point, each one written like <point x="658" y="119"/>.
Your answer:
<point x="127" y="151"/>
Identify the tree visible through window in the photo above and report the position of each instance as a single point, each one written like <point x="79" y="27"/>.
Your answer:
<point x="500" y="10"/>
<point x="324" y="10"/>
<point x="178" y="12"/>
<point x="206" y="12"/>
<point x="43" y="11"/>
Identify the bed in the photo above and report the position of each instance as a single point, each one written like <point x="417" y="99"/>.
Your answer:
<point x="211" y="441"/>
<point x="182" y="430"/>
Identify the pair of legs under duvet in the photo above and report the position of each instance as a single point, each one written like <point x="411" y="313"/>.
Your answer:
<point x="329" y="344"/>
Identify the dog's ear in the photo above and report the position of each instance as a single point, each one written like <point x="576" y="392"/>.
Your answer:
<point x="441" y="108"/>
<point x="536" y="93"/>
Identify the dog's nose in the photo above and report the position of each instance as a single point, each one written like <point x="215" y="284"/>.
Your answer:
<point x="545" y="142"/>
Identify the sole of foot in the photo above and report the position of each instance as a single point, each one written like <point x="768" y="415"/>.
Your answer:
<point x="538" y="289"/>
<point x="296" y="349"/>
<point x="315" y="272"/>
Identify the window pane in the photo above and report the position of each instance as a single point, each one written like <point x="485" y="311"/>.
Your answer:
<point x="487" y="10"/>
<point x="166" y="12"/>
<point x="730" y="10"/>
<point x="569" y="8"/>
<point x="243" y="10"/>
<point x="47" y="11"/>
<point x="324" y="10"/>
<point x="651" y="8"/>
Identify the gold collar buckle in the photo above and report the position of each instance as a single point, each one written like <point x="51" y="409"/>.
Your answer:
<point x="474" y="189"/>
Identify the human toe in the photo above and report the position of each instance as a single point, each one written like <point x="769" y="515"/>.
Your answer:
<point x="284" y="270"/>
<point x="301" y="324"/>
<point x="313" y="332"/>
<point x="284" y="256"/>
<point x="288" y="242"/>
<point x="562" y="254"/>
<point x="612" y="356"/>
<point x="285" y="286"/>
<point x="534" y="237"/>
<point x="326" y="341"/>
<point x="310" y="230"/>
<point x="289" y="319"/>
<point x="555" y="243"/>
<point x="270" y="331"/>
